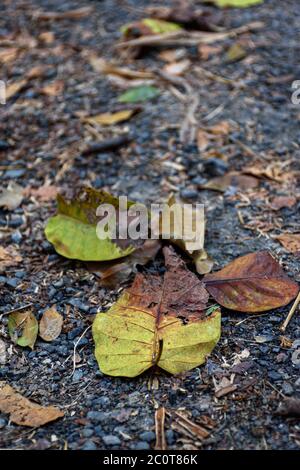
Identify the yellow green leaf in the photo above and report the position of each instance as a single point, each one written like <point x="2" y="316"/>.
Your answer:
<point x="73" y="231"/>
<point x="236" y="3"/>
<point x="158" y="321"/>
<point x="149" y="26"/>
<point x="23" y="328"/>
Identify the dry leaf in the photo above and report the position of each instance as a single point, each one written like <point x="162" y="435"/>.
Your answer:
<point x="203" y="140"/>
<point x="13" y="88"/>
<point x="251" y="283"/>
<point x="23" y="328"/>
<point x="50" y="324"/>
<point x="177" y="68"/>
<point x="103" y="66"/>
<point x="8" y="55"/>
<point x="222" y="183"/>
<point x="281" y="202"/>
<point x="53" y="89"/>
<point x="235" y="53"/>
<point x="43" y="193"/>
<point x="108" y="119"/>
<point x="11" y="197"/>
<point x="158" y="321"/>
<point x="23" y="411"/>
<point x="9" y="257"/>
<point x="290" y="241"/>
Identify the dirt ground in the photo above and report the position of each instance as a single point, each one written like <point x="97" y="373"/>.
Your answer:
<point x="42" y="137"/>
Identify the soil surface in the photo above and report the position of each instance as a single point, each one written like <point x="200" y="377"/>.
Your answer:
<point x="42" y="142"/>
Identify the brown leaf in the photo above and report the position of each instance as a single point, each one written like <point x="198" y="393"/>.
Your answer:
<point x="8" y="55"/>
<point x="221" y="183"/>
<point x="43" y="193"/>
<point x="289" y="407"/>
<point x="251" y="283"/>
<point x="290" y="241"/>
<point x="11" y="197"/>
<point x="281" y="202"/>
<point x="160" y="429"/>
<point x="184" y="13"/>
<point x="50" y="324"/>
<point x="114" y="272"/>
<point x="23" y="411"/>
<point x="9" y="257"/>
<point x="13" y="88"/>
<point x="53" y="89"/>
<point x="108" y="68"/>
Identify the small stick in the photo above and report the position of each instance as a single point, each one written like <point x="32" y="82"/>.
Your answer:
<point x="291" y="313"/>
<point x="160" y="429"/>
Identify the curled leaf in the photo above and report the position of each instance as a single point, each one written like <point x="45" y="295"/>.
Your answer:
<point x="23" y="328"/>
<point x="158" y="321"/>
<point x="251" y="283"/>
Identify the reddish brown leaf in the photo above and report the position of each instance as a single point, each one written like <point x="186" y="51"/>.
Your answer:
<point x="252" y="283"/>
<point x="290" y="241"/>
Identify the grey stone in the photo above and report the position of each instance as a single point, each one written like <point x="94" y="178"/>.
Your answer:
<point x="111" y="440"/>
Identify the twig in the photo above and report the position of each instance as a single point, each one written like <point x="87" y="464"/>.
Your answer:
<point x="18" y="309"/>
<point x="189" y="125"/>
<point x="75" y="347"/>
<point x="185" y="38"/>
<point x="291" y="313"/>
<point x="160" y="429"/>
<point x="108" y="144"/>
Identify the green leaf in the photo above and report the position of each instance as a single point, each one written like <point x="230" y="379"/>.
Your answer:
<point x="73" y="230"/>
<point x="158" y="321"/>
<point x="236" y="3"/>
<point x="138" y="94"/>
<point x="149" y="26"/>
<point x="23" y="328"/>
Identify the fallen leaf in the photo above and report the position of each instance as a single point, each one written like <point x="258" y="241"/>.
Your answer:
<point x="203" y="262"/>
<point x="50" y="324"/>
<point x="172" y="55"/>
<point x="149" y="26"/>
<point x="160" y="429"/>
<point x="47" y="37"/>
<point x="252" y="283"/>
<point x="43" y="193"/>
<point x="221" y="128"/>
<point x="12" y="196"/>
<point x="8" y="55"/>
<point x="13" y="88"/>
<point x="9" y="257"/>
<point x="203" y="140"/>
<point x="108" y="119"/>
<point x="139" y="94"/>
<point x="222" y="183"/>
<point x="224" y="387"/>
<point x="23" y="411"/>
<point x="235" y="53"/>
<point x="158" y="321"/>
<point x="53" y="89"/>
<point x="289" y="407"/>
<point x="280" y="202"/>
<point x="236" y="3"/>
<point x="23" y="328"/>
<point x="177" y="68"/>
<point x="73" y="231"/>
<point x="112" y="273"/>
<point x="290" y="241"/>
<point x="185" y="14"/>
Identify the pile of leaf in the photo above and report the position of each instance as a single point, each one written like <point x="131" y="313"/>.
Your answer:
<point x="167" y="320"/>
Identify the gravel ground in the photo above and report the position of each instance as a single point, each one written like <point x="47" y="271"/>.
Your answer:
<point x="40" y="137"/>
